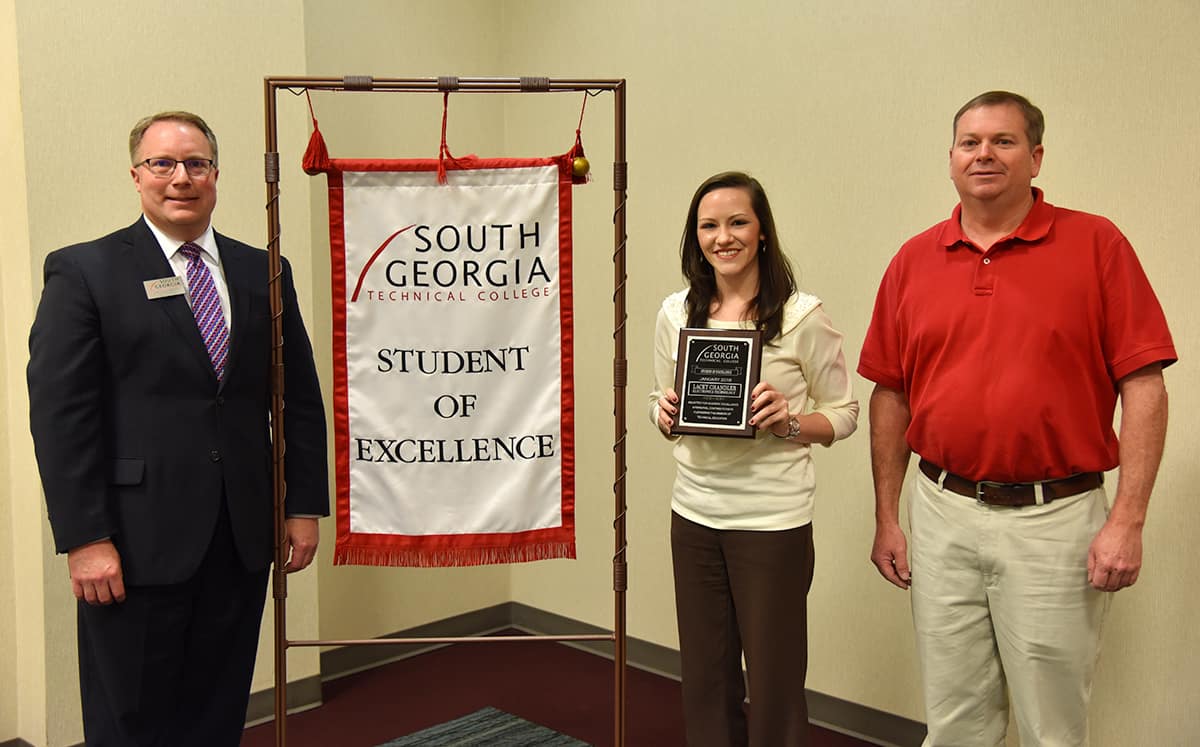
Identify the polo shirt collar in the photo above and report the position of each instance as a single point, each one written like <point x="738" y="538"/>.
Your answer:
<point x="1035" y="227"/>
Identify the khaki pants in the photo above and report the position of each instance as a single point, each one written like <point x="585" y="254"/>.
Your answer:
<point x="1000" y="597"/>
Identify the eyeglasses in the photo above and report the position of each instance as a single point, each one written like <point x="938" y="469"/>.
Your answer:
<point x="195" y="167"/>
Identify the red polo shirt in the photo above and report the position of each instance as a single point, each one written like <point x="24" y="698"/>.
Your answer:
<point x="1010" y="357"/>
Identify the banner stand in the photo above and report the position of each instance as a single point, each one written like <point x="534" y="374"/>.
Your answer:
<point x="443" y="85"/>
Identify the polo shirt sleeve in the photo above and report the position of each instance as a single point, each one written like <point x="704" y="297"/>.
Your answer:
<point x="1135" y="328"/>
<point x="880" y="359"/>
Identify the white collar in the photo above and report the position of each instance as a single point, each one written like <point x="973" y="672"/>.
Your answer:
<point x="207" y="241"/>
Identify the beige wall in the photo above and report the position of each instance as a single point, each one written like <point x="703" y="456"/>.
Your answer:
<point x="20" y="552"/>
<point x="841" y="109"/>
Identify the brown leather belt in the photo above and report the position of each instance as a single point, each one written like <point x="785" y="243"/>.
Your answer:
<point x="1014" y="493"/>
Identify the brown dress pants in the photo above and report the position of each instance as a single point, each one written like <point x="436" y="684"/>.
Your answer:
<point x="742" y="591"/>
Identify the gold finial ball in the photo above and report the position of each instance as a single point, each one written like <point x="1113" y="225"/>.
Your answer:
<point x="580" y="167"/>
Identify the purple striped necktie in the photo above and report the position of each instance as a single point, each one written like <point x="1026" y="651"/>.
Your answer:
<point x="206" y="306"/>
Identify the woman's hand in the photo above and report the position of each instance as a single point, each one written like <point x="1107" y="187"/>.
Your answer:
<point x="667" y="410"/>
<point x="769" y="409"/>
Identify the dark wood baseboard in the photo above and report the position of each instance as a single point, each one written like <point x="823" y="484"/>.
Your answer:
<point x="340" y="662"/>
<point x="301" y="696"/>
<point x="879" y="727"/>
<point x="868" y="724"/>
<point x="346" y="660"/>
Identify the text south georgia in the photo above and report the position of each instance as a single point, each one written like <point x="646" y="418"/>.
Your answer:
<point x="473" y="277"/>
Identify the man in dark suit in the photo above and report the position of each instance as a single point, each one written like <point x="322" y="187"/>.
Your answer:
<point x="150" y="407"/>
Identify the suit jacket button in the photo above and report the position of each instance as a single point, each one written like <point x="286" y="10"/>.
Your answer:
<point x="214" y="455"/>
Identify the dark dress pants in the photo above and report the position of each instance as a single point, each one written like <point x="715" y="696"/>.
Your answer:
<point x="742" y="591"/>
<point x="171" y="665"/>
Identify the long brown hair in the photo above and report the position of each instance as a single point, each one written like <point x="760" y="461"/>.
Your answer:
<point x="776" y="283"/>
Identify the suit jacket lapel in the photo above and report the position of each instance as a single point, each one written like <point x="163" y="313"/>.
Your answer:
<point x="151" y="264"/>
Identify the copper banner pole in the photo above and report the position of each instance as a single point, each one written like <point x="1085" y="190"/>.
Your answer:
<point x="620" y="374"/>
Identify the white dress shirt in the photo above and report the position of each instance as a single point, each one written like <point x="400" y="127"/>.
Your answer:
<point x="209" y="254"/>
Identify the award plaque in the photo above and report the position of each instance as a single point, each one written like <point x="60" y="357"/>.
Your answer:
<point x="715" y="371"/>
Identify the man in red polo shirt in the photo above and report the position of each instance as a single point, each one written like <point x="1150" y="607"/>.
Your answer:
<point x="1000" y="342"/>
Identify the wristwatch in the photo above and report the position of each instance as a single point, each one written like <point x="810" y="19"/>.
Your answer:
<point x="793" y="429"/>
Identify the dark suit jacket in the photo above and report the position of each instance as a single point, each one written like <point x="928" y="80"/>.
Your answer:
<point x="135" y="439"/>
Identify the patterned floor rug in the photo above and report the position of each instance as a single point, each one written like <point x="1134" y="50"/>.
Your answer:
<point x="487" y="727"/>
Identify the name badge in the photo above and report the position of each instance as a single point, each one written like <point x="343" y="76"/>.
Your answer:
<point x="164" y="287"/>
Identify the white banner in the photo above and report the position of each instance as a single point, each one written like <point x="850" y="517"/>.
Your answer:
<point x="452" y="345"/>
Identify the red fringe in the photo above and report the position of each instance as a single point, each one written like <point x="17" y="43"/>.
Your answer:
<point x="444" y="557"/>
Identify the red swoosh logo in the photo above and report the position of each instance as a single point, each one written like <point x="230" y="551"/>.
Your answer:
<point x="362" y="275"/>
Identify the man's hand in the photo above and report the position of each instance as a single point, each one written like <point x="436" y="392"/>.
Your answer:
<point x="890" y="554"/>
<point x="302" y="537"/>
<point x="1115" y="556"/>
<point x="890" y="416"/>
<point x="96" y="576"/>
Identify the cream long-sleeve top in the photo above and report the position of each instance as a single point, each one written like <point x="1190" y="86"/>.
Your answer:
<point x="760" y="483"/>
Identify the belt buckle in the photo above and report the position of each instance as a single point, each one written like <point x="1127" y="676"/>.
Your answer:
<point x="979" y="486"/>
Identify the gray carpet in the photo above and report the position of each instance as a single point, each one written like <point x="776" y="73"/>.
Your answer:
<point x="488" y="727"/>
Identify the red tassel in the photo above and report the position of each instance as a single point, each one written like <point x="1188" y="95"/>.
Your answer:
<point x="580" y="168"/>
<point x="316" y="155"/>
<point x="443" y="151"/>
